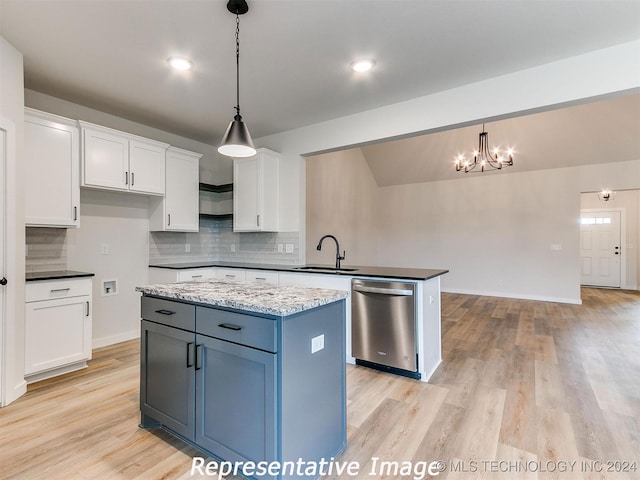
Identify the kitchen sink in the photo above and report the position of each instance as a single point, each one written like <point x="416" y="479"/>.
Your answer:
<point x="327" y="269"/>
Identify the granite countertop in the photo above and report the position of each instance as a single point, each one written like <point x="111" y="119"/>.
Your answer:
<point x="280" y="300"/>
<point x="55" y="275"/>
<point x="358" y="271"/>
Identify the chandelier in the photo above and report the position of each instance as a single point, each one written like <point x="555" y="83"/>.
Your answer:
<point x="483" y="158"/>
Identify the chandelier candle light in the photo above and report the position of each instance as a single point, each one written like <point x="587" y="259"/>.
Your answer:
<point x="483" y="158"/>
<point x="237" y="140"/>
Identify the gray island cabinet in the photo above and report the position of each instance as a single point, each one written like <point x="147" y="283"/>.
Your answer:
<point x="245" y="372"/>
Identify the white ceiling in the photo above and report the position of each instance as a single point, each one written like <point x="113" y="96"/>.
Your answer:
<point x="295" y="54"/>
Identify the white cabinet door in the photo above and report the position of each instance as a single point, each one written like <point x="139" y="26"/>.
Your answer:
<point x="105" y="159"/>
<point x="146" y="167"/>
<point x="52" y="162"/>
<point x="178" y="210"/>
<point x="57" y="333"/>
<point x="114" y="160"/>
<point x="255" y="192"/>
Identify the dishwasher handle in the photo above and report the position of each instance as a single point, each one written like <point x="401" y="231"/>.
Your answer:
<point x="383" y="291"/>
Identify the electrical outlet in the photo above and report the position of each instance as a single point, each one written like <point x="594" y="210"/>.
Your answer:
<point x="289" y="247"/>
<point x="556" y="246"/>
<point x="104" y="249"/>
<point x="317" y="343"/>
<point x="187" y="248"/>
<point x="280" y="248"/>
<point x="233" y="248"/>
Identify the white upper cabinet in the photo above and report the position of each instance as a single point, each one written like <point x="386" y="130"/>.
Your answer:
<point x="255" y="192"/>
<point x="51" y="158"/>
<point x="178" y="210"/>
<point x="114" y="160"/>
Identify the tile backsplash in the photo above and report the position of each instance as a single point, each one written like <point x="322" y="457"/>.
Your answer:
<point x="46" y="249"/>
<point x="216" y="241"/>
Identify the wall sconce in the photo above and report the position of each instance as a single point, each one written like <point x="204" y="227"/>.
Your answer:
<point x="606" y="194"/>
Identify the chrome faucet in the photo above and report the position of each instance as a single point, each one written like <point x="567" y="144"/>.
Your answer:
<point x="338" y="257"/>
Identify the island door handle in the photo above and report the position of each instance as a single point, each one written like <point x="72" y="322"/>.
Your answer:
<point x="189" y="360"/>
<point x="165" y="312"/>
<point x="198" y="357"/>
<point x="230" y="326"/>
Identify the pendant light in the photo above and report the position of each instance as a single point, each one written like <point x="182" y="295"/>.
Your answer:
<point x="236" y="141"/>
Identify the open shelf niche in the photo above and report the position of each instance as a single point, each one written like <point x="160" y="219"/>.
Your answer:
<point x="216" y="201"/>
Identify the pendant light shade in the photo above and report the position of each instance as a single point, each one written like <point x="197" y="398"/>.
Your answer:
<point x="236" y="141"/>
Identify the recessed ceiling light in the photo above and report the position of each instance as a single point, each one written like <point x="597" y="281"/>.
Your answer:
<point x="363" y="65"/>
<point x="180" y="63"/>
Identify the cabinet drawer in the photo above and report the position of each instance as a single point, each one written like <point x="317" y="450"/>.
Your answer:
<point x="231" y="274"/>
<point x="262" y="276"/>
<point x="243" y="329"/>
<point x="168" y="312"/>
<point x="50" y="289"/>
<point x="196" y="275"/>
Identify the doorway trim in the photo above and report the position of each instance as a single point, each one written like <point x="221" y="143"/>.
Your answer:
<point x="623" y="239"/>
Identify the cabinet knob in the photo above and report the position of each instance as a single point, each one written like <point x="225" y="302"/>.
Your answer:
<point x="3" y="281"/>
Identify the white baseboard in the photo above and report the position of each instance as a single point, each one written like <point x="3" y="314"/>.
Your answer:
<point x="14" y="393"/>
<point x="113" y="339"/>
<point x="541" y="298"/>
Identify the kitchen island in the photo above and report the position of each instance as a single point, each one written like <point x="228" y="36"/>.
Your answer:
<point x="251" y="374"/>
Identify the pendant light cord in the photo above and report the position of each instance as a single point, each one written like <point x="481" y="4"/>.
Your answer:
<point x="238" y="117"/>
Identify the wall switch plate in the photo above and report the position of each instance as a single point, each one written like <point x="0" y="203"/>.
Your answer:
<point x="556" y="246"/>
<point x="280" y="248"/>
<point x="317" y="343"/>
<point x="104" y="249"/>
<point x="289" y="247"/>
<point x="187" y="248"/>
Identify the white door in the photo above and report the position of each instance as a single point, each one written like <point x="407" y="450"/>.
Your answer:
<point x="600" y="248"/>
<point x="3" y="242"/>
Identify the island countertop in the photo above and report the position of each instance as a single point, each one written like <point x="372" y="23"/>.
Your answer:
<point x="280" y="300"/>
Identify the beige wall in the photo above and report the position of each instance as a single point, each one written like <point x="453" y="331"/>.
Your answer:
<point x="493" y="232"/>
<point x="341" y="189"/>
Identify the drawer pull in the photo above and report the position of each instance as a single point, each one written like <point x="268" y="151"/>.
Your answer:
<point x="56" y="290"/>
<point x="229" y="275"/>
<point x="196" y="276"/>
<point x="189" y="361"/>
<point x="165" y="312"/>
<point x="230" y="326"/>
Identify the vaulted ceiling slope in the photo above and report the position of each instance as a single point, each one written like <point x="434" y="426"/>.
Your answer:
<point x="598" y="132"/>
<point x="111" y="54"/>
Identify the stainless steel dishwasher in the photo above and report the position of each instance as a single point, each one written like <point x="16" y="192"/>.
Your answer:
<point x="383" y="326"/>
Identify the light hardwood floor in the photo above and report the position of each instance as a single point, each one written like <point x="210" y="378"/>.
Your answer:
<point x="523" y="386"/>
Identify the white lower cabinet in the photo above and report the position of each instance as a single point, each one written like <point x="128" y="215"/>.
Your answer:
<point x="57" y="327"/>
